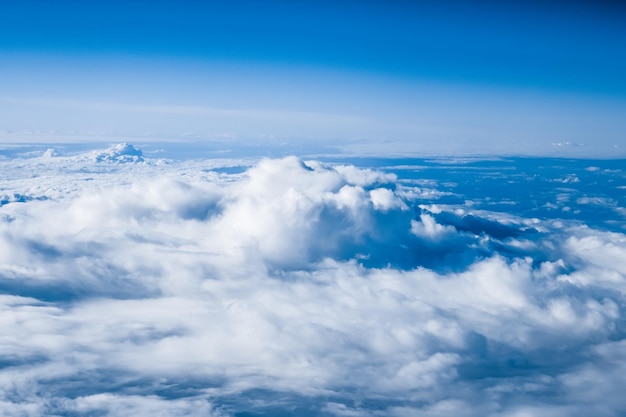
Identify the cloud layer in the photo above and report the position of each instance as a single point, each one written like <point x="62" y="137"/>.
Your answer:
<point x="139" y="287"/>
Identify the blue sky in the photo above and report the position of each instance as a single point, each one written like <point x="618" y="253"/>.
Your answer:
<point x="520" y="77"/>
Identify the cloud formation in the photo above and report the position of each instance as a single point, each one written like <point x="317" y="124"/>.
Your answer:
<point x="295" y="288"/>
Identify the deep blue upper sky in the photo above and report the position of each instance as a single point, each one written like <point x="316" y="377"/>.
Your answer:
<point x="355" y="59"/>
<point x="571" y="45"/>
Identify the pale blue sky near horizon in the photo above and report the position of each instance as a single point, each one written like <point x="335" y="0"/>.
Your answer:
<point x="485" y="77"/>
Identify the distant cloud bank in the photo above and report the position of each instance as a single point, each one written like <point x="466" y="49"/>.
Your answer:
<point x="136" y="286"/>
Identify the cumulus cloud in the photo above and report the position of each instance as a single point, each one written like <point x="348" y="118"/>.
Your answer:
<point x="429" y="228"/>
<point x="120" y="153"/>
<point x="296" y="288"/>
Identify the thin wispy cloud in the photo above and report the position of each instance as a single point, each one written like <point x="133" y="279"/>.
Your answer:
<point x="181" y="109"/>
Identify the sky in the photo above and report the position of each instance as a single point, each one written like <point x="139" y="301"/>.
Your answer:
<point x="425" y="77"/>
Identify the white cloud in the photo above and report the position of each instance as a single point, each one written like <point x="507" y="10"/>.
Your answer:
<point x="136" y="405"/>
<point x="429" y="228"/>
<point x="164" y="289"/>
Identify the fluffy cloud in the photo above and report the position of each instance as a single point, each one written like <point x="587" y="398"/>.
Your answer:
<point x="295" y="288"/>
